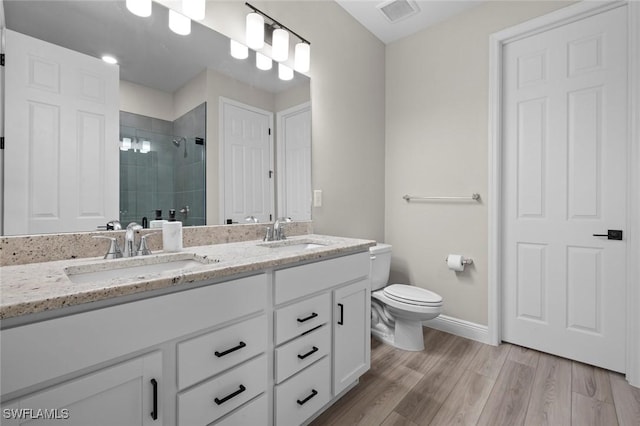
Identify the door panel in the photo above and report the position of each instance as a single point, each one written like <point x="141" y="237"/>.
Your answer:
<point x="565" y="149"/>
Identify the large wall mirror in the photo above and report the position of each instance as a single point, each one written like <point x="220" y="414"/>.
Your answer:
<point x="196" y="131"/>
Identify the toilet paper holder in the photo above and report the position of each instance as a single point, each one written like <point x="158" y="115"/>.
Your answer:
<point x="465" y="260"/>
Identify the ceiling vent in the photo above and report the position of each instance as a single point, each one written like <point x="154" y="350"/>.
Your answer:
<point x="397" y="10"/>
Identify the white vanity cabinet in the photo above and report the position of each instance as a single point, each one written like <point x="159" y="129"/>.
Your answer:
<point x="322" y="326"/>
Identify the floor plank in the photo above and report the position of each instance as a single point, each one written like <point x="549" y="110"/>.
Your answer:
<point x="587" y="411"/>
<point x="464" y="404"/>
<point x="626" y="399"/>
<point x="490" y="359"/>
<point x="395" y="419"/>
<point x="591" y="381"/>
<point x="507" y="404"/>
<point x="524" y="356"/>
<point x="550" y="402"/>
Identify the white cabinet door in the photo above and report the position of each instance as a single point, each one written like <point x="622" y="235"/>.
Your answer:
<point x="61" y="170"/>
<point x="351" y="333"/>
<point x="125" y="394"/>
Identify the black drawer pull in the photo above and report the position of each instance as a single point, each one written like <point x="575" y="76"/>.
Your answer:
<point x="304" y="401"/>
<point x="154" y="413"/>
<point x="311" y="352"/>
<point x="341" y="320"/>
<point x="228" y="351"/>
<point x="231" y="395"/>
<point x="313" y="315"/>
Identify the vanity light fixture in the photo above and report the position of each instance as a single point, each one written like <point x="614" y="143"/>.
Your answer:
<point x="179" y="23"/>
<point x="263" y="62"/>
<point x="239" y="50"/>
<point x="284" y="72"/>
<point x="125" y="144"/>
<point x="146" y="147"/>
<point x="255" y="33"/>
<point x="194" y="9"/>
<point x="140" y="8"/>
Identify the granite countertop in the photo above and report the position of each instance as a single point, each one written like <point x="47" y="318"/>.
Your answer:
<point x="39" y="287"/>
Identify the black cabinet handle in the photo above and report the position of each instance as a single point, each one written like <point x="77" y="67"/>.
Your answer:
<point x="313" y="315"/>
<point x="311" y="352"/>
<point x="341" y="320"/>
<point x="304" y="401"/>
<point x="228" y="351"/>
<point x="231" y="395"/>
<point x="154" y="413"/>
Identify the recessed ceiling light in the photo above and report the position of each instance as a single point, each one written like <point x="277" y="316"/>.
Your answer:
<point x="109" y="59"/>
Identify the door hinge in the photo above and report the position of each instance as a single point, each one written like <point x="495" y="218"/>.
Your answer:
<point x="2" y="59"/>
<point x="270" y="174"/>
<point x="2" y="142"/>
<point x="3" y="64"/>
<point x="270" y="217"/>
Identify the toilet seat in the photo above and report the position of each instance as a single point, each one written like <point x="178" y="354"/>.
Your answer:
<point x="412" y="295"/>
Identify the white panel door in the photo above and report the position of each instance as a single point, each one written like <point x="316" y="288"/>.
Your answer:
<point x="61" y="155"/>
<point x="294" y="162"/>
<point x="565" y="156"/>
<point x="247" y="158"/>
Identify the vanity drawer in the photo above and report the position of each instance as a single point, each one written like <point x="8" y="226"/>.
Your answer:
<point x="214" y="352"/>
<point x="299" y="281"/>
<point x="302" y="352"/>
<point x="254" y="413"/>
<point x="293" y="320"/>
<point x="207" y="402"/>
<point x="301" y="396"/>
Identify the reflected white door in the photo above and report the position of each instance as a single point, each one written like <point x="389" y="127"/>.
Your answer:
<point x="294" y="162"/>
<point x="565" y="157"/>
<point x="247" y="183"/>
<point x="61" y="169"/>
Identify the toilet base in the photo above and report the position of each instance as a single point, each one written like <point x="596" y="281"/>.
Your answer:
<point x="407" y="335"/>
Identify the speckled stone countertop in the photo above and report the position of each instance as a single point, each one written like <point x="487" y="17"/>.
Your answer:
<point x="39" y="287"/>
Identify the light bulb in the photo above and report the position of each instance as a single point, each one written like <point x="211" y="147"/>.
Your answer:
<point x="125" y="145"/>
<point x="194" y="9"/>
<point x="179" y="23"/>
<point x="280" y="50"/>
<point x="140" y="8"/>
<point x="239" y="50"/>
<point x="146" y="147"/>
<point x="303" y="57"/>
<point x="109" y="59"/>
<point x="263" y="62"/>
<point x="284" y="72"/>
<point x="255" y="31"/>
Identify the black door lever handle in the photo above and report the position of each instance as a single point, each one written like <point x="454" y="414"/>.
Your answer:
<point x="612" y="234"/>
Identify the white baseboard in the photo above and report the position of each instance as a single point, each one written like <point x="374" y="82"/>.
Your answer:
<point x="462" y="328"/>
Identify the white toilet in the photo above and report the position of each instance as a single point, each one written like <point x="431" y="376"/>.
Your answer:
<point x="397" y="310"/>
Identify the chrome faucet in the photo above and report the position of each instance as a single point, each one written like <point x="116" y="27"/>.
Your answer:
<point x="130" y="239"/>
<point x="278" y="228"/>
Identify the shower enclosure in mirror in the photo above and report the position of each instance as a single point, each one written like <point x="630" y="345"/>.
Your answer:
<point x="65" y="171"/>
<point x="162" y="167"/>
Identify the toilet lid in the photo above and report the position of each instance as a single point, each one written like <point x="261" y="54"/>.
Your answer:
<point x="412" y="294"/>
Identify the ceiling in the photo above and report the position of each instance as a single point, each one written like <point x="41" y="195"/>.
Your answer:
<point x="430" y="12"/>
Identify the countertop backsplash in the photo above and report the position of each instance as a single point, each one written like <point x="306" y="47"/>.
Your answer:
<point x="21" y="250"/>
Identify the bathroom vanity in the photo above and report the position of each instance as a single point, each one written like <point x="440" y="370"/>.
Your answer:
<point x="250" y="333"/>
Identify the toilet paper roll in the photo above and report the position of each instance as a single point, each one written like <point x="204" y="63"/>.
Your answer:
<point x="454" y="262"/>
<point x="172" y="236"/>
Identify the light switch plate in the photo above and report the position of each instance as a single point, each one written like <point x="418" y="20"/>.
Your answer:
<point x="317" y="198"/>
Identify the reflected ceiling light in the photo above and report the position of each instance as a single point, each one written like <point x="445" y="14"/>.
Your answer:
<point x="109" y="59"/>
<point x="255" y="31"/>
<point x="179" y="23"/>
<point x="194" y="9"/>
<point x="302" y="58"/>
<point x="239" y="50"/>
<point x="140" y="8"/>
<point x="263" y="62"/>
<point x="284" y="72"/>
<point x="280" y="45"/>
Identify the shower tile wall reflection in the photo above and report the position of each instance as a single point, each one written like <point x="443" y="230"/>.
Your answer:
<point x="171" y="175"/>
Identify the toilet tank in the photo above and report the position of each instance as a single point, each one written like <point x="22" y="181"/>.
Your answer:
<point x="380" y="265"/>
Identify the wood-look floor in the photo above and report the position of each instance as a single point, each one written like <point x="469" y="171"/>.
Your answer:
<point x="456" y="381"/>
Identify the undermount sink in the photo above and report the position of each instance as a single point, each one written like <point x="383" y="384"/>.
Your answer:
<point x="135" y="267"/>
<point x="293" y="245"/>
